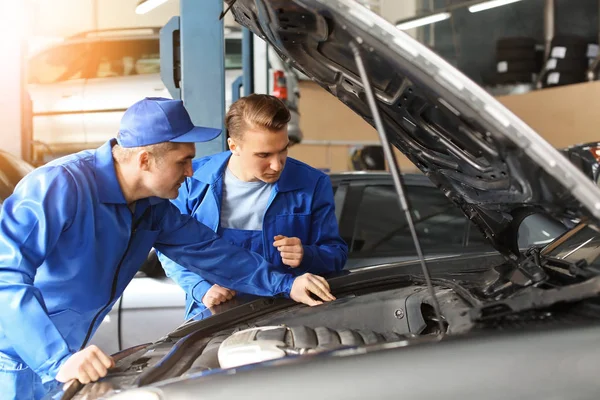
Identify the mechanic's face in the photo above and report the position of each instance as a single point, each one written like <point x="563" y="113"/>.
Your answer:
<point x="167" y="173"/>
<point x="262" y="154"/>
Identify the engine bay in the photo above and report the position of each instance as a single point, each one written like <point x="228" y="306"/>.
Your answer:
<point x="369" y="315"/>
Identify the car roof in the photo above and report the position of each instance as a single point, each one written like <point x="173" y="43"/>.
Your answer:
<point x="142" y="32"/>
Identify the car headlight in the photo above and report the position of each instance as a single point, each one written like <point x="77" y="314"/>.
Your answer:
<point x="137" y="394"/>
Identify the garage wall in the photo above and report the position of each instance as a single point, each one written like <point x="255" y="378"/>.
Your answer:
<point x="325" y="118"/>
<point x="563" y="116"/>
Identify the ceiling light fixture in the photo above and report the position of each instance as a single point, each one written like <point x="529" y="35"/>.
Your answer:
<point x="490" y="4"/>
<point x="431" y="19"/>
<point x="147" y="5"/>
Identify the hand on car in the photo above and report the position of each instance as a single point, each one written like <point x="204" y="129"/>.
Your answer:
<point x="306" y="284"/>
<point x="291" y="250"/>
<point x="87" y="365"/>
<point x="217" y="295"/>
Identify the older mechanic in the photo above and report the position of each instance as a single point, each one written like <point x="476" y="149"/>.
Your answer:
<point x="75" y="232"/>
<point x="257" y="198"/>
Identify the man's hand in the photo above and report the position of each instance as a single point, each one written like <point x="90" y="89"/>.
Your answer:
<point x="291" y="250"/>
<point x="217" y="295"/>
<point x="87" y="365"/>
<point x="306" y="284"/>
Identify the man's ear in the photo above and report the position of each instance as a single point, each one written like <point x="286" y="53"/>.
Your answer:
<point x="143" y="160"/>
<point x="233" y="146"/>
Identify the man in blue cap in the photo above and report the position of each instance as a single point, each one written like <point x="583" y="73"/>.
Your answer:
<point x="75" y="232"/>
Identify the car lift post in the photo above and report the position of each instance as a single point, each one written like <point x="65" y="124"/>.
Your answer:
<point x="246" y="80"/>
<point x="193" y="65"/>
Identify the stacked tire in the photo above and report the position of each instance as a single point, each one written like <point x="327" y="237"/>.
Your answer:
<point x="517" y="60"/>
<point x="568" y="61"/>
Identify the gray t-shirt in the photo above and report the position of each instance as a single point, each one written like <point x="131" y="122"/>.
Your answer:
<point x="244" y="203"/>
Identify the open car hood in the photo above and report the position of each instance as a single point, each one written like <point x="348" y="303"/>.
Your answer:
<point x="484" y="158"/>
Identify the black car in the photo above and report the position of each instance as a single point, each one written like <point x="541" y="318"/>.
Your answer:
<point x="518" y="323"/>
<point x="370" y="222"/>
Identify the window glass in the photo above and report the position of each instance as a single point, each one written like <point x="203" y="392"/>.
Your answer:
<point x="233" y="54"/>
<point x="127" y="58"/>
<point x="58" y="64"/>
<point x="139" y="57"/>
<point x="381" y="228"/>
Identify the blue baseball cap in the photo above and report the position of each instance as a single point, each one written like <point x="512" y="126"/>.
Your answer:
<point x="157" y="120"/>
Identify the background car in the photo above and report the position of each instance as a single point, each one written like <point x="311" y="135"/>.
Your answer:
<point x="81" y="87"/>
<point x="12" y="170"/>
<point x="370" y="221"/>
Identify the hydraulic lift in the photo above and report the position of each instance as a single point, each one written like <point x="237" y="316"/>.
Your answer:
<point x="193" y="65"/>
<point x="192" y="68"/>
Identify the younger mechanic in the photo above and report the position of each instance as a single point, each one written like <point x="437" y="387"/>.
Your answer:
<point x="257" y="198"/>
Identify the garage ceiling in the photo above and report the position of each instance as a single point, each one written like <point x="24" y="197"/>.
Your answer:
<point x="72" y="16"/>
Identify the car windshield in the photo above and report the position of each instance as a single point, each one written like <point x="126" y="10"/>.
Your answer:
<point x="580" y="243"/>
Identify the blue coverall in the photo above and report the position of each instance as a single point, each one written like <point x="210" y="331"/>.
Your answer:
<point x="301" y="205"/>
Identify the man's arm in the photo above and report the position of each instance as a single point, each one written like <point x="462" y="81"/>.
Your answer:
<point x="327" y="251"/>
<point x="192" y="283"/>
<point x="31" y="222"/>
<point x="196" y="247"/>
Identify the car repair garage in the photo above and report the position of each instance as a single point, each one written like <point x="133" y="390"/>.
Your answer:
<point x="299" y="199"/>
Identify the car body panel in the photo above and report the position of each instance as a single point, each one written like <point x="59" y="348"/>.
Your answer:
<point x="75" y="114"/>
<point x="147" y="300"/>
<point x="58" y="111"/>
<point x="107" y="98"/>
<point x="561" y="364"/>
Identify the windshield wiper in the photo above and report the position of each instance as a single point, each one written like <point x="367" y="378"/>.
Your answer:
<point x="397" y="177"/>
<point x="534" y="298"/>
<point x="507" y="278"/>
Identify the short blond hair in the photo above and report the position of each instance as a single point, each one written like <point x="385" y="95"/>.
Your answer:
<point x="256" y="111"/>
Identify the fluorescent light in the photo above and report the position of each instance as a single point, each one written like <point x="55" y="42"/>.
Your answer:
<point x="490" y="4"/>
<point x="147" y="5"/>
<point x="431" y="19"/>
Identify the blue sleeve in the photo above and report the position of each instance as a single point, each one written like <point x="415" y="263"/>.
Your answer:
<point x="196" y="247"/>
<point x="327" y="251"/>
<point x="31" y="222"/>
<point x="193" y="284"/>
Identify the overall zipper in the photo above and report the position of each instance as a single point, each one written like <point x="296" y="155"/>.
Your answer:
<point x="266" y="243"/>
<point x="113" y="290"/>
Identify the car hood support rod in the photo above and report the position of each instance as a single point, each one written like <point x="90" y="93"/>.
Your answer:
<point x="397" y="177"/>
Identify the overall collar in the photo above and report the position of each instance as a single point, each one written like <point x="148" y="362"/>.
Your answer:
<point x="106" y="177"/>
<point x="212" y="170"/>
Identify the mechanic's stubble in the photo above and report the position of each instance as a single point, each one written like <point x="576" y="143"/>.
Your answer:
<point x="165" y="174"/>
<point x="147" y="175"/>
